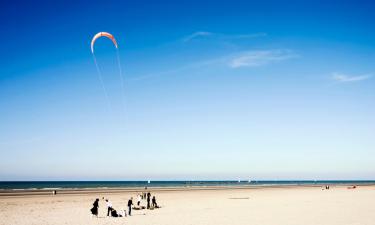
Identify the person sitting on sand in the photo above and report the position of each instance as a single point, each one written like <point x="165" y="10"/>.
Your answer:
<point x="94" y="209"/>
<point x="109" y="206"/>
<point x="154" y="204"/>
<point x="130" y="203"/>
<point x="115" y="214"/>
<point x="122" y="212"/>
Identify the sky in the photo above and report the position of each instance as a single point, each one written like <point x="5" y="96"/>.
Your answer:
<point x="212" y="90"/>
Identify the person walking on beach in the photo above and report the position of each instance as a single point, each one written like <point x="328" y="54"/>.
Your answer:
<point x="94" y="209"/>
<point x="109" y="206"/>
<point x="154" y="204"/>
<point x="148" y="200"/>
<point x="130" y="203"/>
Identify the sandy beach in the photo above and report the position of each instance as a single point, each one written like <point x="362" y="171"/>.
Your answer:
<point x="260" y="206"/>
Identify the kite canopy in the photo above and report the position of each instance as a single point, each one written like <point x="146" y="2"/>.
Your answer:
<point x="102" y="34"/>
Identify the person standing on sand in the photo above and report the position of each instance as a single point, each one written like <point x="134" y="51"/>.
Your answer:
<point x="94" y="209"/>
<point x="139" y="200"/>
<point x="130" y="203"/>
<point x="109" y="206"/>
<point x="148" y="200"/>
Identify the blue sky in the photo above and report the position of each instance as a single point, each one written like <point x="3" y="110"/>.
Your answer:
<point x="236" y="89"/>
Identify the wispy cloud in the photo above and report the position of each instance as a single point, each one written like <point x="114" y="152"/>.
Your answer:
<point x="242" y="59"/>
<point x="243" y="36"/>
<point x="200" y="34"/>
<point x="340" y="77"/>
<point x="193" y="65"/>
<point x="261" y="57"/>
<point x="196" y="35"/>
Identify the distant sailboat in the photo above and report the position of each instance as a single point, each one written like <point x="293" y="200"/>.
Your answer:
<point x="148" y="181"/>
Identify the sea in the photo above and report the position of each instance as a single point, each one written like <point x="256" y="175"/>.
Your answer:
<point x="39" y="185"/>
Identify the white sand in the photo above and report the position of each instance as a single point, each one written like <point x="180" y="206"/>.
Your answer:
<point x="269" y="206"/>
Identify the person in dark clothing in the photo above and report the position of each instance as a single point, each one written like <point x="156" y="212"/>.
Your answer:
<point x="154" y="202"/>
<point x="130" y="203"/>
<point x="94" y="209"/>
<point x="115" y="214"/>
<point x="148" y="200"/>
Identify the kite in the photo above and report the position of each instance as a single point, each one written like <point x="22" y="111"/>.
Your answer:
<point x="112" y="38"/>
<point x="102" y="34"/>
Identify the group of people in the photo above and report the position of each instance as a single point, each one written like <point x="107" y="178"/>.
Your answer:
<point x="111" y="212"/>
<point x="147" y="196"/>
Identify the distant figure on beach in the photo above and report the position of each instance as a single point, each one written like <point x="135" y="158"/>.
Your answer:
<point x="109" y="206"/>
<point x="130" y="203"/>
<point x="94" y="209"/>
<point x="148" y="200"/>
<point x="154" y="204"/>
<point x="138" y="200"/>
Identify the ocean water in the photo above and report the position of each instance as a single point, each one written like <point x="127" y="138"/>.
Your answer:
<point x="20" y="185"/>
